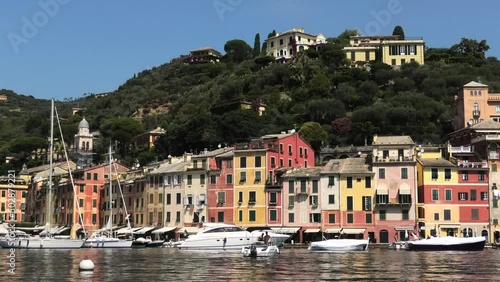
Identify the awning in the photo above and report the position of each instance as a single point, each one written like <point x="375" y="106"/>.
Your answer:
<point x="144" y="230"/>
<point x="451" y="226"/>
<point x="403" y="228"/>
<point x="427" y="228"/>
<point x="353" y="230"/>
<point x="333" y="230"/>
<point x="312" y="230"/>
<point x="404" y="191"/>
<point x="189" y="230"/>
<point x="285" y="230"/>
<point x="382" y="191"/>
<point x="127" y="230"/>
<point x="163" y="230"/>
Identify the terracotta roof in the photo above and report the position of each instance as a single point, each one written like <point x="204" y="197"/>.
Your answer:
<point x="355" y="165"/>
<point x="303" y="172"/>
<point x="393" y="140"/>
<point x="333" y="166"/>
<point x="475" y="84"/>
<point x="487" y="124"/>
<point x="214" y="153"/>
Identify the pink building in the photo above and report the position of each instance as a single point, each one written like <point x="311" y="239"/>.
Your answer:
<point x="220" y="189"/>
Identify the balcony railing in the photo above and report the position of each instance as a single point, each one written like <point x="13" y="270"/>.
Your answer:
<point x="476" y="113"/>
<point x="465" y="163"/>
<point x="461" y="149"/>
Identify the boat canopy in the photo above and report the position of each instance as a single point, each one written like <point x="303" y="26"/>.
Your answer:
<point x="163" y="230"/>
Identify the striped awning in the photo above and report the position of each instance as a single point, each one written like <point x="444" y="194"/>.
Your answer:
<point x="312" y="230"/>
<point x="353" y="230"/>
<point x="403" y="228"/>
<point x="382" y="191"/>
<point x="285" y="230"/>
<point x="404" y="191"/>
<point x="450" y="226"/>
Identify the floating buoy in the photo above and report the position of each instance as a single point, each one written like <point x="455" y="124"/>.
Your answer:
<point x="86" y="265"/>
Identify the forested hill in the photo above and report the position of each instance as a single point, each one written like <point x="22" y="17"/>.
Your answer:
<point x="331" y="104"/>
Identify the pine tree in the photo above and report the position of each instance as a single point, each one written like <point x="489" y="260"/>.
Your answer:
<point x="256" y="46"/>
<point x="398" y="30"/>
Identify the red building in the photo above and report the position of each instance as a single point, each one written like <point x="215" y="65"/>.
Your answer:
<point x="220" y="188"/>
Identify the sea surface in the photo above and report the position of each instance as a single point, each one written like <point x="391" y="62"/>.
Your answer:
<point x="293" y="264"/>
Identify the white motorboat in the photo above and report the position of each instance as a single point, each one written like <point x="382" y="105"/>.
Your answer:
<point x="260" y="250"/>
<point x="219" y="237"/>
<point x="277" y="238"/>
<point x="340" y="245"/>
<point x="448" y="243"/>
<point x="103" y="241"/>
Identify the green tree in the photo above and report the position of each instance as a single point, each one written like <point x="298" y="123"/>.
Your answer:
<point x="314" y="134"/>
<point x="123" y="130"/>
<point x="256" y="46"/>
<point x="237" y="50"/>
<point x="332" y="55"/>
<point x="398" y="30"/>
<point x="471" y="48"/>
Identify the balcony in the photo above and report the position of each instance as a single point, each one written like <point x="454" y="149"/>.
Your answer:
<point x="302" y="191"/>
<point x="466" y="163"/>
<point x="393" y="159"/>
<point x="461" y="149"/>
<point x="476" y="113"/>
<point x="273" y="185"/>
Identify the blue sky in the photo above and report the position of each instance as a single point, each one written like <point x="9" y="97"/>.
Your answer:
<point x="64" y="48"/>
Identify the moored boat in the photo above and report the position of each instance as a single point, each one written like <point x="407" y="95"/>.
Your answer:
<point x="260" y="250"/>
<point x="448" y="243"/>
<point x="340" y="245"/>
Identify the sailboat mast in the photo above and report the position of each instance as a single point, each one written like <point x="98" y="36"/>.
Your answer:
<point x="110" y="191"/>
<point x="51" y="156"/>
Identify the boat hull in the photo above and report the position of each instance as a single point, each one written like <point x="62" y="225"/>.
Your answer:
<point x="260" y="251"/>
<point x="437" y="244"/>
<point x="107" y="244"/>
<point x="339" y="245"/>
<point x="39" y="243"/>
<point x="216" y="242"/>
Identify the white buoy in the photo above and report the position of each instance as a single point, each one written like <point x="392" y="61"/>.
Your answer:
<point x="86" y="265"/>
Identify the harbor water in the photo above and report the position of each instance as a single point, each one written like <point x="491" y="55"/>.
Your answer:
<point x="293" y="264"/>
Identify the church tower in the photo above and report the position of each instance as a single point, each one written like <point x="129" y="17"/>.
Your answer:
<point x="84" y="144"/>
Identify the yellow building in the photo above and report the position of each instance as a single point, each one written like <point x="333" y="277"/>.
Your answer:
<point x="285" y="45"/>
<point x="249" y="186"/>
<point x="389" y="50"/>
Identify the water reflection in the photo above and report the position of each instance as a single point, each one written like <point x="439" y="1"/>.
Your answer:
<point x="292" y="264"/>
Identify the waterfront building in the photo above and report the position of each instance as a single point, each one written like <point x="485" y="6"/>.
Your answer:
<point x="388" y="49"/>
<point x="284" y="46"/>
<point x="330" y="198"/>
<point x="394" y="167"/>
<point x="220" y="189"/>
<point x="256" y="166"/>
<point x="13" y="192"/>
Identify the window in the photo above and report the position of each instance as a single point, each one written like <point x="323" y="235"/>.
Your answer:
<point x="229" y="163"/>
<point x="89" y="175"/>
<point x="96" y="176"/>
<point x="353" y="56"/>
<point x="436" y="216"/>
<point x="315" y="186"/>
<point x="465" y="175"/>
<point x="393" y="62"/>
<point x="350" y="218"/>
<point x="331" y="218"/>
<point x="349" y="182"/>
<point x="382" y="199"/>
<point x="435" y="175"/>
<point x="178" y="216"/>
<point x="221" y="198"/>
<point x="258" y="161"/>
<point x="151" y="200"/>
<point x="81" y="203"/>
<point x="178" y="199"/>
<point x="368" y="182"/>
<point x="349" y="203"/>
<point x="273" y="162"/>
<point x="220" y="216"/>
<point x="240" y="215"/>
<point x="190" y="179"/>
<point x="331" y="181"/>
<point x="243" y="176"/>
<point x="484" y="196"/>
<point x="202" y="179"/>
<point x="367" y="203"/>
<point x="94" y="203"/>
<point x="367" y="55"/>
<point x="252" y="197"/>
<point x="213" y="179"/>
<point x="475" y="214"/>
<point x="493" y="167"/>
<point x="404" y="173"/>
<point x="403" y="61"/>
<point x="480" y="176"/>
<point x="303" y="186"/>
<point x="463" y="196"/>
<point x="258" y="176"/>
<point x="382" y="214"/>
<point x="447" y="214"/>
<point x="447" y="194"/>
<point x="229" y="179"/>
<point x="291" y="200"/>
<point x="273" y="198"/>
<point x="94" y="188"/>
<point x="331" y="199"/>
<point x="290" y="164"/>
<point x="273" y="215"/>
<point x="240" y="197"/>
<point x="282" y="162"/>
<point x="243" y="162"/>
<point x="473" y="195"/>
<point x="251" y="215"/>
<point x="405" y="214"/>
<point x="169" y="200"/>
<point x="305" y="153"/>
<point x="82" y="188"/>
<point x="94" y="218"/>
<point x="368" y="218"/>
<point x="435" y="194"/>
<point x="314" y="217"/>
<point x="291" y="217"/>
<point x="447" y="174"/>
<point x="160" y="216"/>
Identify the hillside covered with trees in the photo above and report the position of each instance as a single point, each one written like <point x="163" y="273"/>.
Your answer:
<point x="316" y="93"/>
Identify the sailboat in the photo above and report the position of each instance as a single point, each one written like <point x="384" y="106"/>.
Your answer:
<point x="48" y="241"/>
<point x="100" y="240"/>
